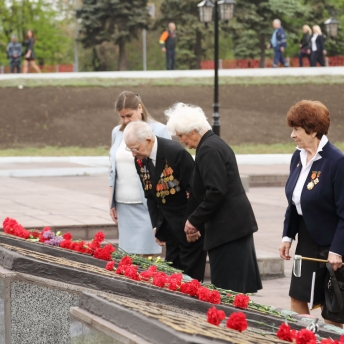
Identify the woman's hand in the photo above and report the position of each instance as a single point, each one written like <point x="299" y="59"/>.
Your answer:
<point x="189" y="228"/>
<point x="113" y="214"/>
<point x="284" y="250"/>
<point x="335" y="260"/>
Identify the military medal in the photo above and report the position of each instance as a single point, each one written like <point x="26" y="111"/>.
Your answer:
<point x="315" y="180"/>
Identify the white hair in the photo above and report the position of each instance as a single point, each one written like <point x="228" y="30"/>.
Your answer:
<point x="137" y="132"/>
<point x="277" y="21"/>
<point x="183" y="118"/>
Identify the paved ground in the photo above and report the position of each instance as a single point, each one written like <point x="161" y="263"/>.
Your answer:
<point x="74" y="200"/>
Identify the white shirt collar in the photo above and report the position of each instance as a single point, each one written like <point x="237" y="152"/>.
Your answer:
<point x="154" y="151"/>
<point x="317" y="156"/>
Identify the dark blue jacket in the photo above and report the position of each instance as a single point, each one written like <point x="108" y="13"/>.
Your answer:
<point x="281" y="39"/>
<point x="323" y="206"/>
<point x="14" y="48"/>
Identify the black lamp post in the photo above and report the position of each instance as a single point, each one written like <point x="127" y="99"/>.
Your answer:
<point x="206" y="10"/>
<point x="331" y="26"/>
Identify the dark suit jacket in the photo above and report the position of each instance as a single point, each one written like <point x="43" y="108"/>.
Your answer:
<point x="173" y="212"/>
<point x="221" y="202"/>
<point x="323" y="206"/>
<point x="320" y="42"/>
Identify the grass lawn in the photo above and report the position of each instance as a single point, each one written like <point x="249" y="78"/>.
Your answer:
<point x="100" y="82"/>
<point x="278" y="148"/>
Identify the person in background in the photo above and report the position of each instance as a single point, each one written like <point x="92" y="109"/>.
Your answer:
<point x="278" y="43"/>
<point x="315" y="195"/>
<point x="305" y="45"/>
<point x="165" y="168"/>
<point x="128" y="206"/>
<point x="30" y="55"/>
<point x="218" y="204"/>
<point x="14" y="52"/>
<point x="318" y="47"/>
<point x="168" y="42"/>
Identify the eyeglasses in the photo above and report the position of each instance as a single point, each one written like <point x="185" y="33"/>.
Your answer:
<point x="133" y="150"/>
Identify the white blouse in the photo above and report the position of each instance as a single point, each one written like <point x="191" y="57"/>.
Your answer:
<point x="314" y="44"/>
<point x="127" y="184"/>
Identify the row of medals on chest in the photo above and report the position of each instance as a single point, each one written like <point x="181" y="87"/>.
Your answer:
<point x="315" y="179"/>
<point x="167" y="184"/>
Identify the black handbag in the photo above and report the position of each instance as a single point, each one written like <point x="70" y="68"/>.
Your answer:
<point x="334" y="295"/>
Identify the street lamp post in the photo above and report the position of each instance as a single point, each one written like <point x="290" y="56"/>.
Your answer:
<point x="331" y="26"/>
<point x="226" y="10"/>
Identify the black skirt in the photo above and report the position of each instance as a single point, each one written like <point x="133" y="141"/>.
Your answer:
<point x="234" y="266"/>
<point x="300" y="287"/>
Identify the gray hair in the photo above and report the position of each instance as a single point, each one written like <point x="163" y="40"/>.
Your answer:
<point x="137" y="132"/>
<point x="183" y="119"/>
<point x="277" y="21"/>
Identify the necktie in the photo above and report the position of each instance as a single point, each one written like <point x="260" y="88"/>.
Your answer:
<point x="151" y="167"/>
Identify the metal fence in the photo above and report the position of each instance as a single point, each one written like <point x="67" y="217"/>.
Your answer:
<point x="63" y="68"/>
<point x="248" y="63"/>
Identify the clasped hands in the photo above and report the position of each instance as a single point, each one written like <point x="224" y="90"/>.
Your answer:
<point x="192" y="233"/>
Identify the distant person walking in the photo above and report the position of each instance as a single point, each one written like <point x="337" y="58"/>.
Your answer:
<point x="278" y="43"/>
<point x="305" y="45"/>
<point x="30" y="53"/>
<point x="318" y="47"/>
<point x="14" y="52"/>
<point x="168" y="42"/>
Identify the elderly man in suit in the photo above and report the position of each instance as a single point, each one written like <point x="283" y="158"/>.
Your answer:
<point x="165" y="169"/>
<point x="218" y="202"/>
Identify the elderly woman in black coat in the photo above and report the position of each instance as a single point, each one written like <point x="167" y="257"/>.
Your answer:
<point x="218" y="202"/>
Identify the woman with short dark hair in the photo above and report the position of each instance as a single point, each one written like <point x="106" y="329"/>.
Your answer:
<point x="315" y="194"/>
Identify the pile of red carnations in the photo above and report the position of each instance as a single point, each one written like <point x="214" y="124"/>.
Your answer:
<point x="237" y="321"/>
<point x="48" y="237"/>
<point x="159" y="279"/>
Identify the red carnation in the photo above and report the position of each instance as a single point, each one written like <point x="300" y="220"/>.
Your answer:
<point x="131" y="272"/>
<point x="284" y="333"/>
<point x="94" y="244"/>
<point x="241" y="301"/>
<point x="237" y="321"/>
<point x="204" y="294"/>
<point x="329" y="341"/>
<point x="160" y="279"/>
<point x="121" y="269"/>
<point x="125" y="261"/>
<point x="67" y="236"/>
<point x="174" y="281"/>
<point x="341" y="340"/>
<point x="149" y="273"/>
<point x="215" y="316"/>
<point x="215" y="297"/>
<point x="35" y="234"/>
<point x="100" y="236"/>
<point x="190" y="288"/>
<point x="102" y="253"/>
<point x="306" y="337"/>
<point x="110" y="265"/>
<point x="66" y="244"/>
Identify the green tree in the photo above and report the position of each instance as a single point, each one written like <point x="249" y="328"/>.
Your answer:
<point x="116" y="21"/>
<point x="252" y="27"/>
<point x="17" y="16"/>
<point x="190" y="31"/>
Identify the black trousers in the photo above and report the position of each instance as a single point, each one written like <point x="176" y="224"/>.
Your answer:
<point x="302" y="55"/>
<point x="170" y="59"/>
<point x="317" y="56"/>
<point x="183" y="255"/>
<point x="15" y="66"/>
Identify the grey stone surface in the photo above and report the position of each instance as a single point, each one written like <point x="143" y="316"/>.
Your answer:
<point x="83" y="334"/>
<point x="2" y="312"/>
<point x="39" y="314"/>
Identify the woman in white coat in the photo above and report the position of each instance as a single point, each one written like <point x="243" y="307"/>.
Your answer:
<point x="128" y="206"/>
